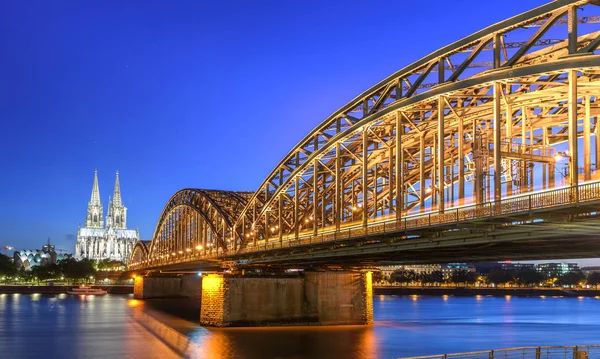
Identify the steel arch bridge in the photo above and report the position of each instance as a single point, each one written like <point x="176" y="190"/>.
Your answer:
<point x="488" y="131"/>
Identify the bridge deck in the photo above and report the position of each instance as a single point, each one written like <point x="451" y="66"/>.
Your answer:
<point x="519" y="224"/>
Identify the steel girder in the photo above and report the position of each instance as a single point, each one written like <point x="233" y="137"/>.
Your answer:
<point x="140" y="252"/>
<point x="194" y="222"/>
<point x="478" y="120"/>
<point x="352" y="167"/>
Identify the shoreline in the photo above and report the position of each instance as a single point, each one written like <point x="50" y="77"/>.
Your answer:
<point x="470" y="292"/>
<point x="58" y="289"/>
<point x="377" y="290"/>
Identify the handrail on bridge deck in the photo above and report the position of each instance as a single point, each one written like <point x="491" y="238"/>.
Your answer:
<point x="525" y="203"/>
<point x="542" y="352"/>
<point x="519" y="204"/>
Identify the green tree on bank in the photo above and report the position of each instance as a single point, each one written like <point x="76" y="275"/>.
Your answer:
<point x="528" y="277"/>
<point x="464" y="277"/>
<point x="594" y="279"/>
<point x="8" y="269"/>
<point x="75" y="271"/>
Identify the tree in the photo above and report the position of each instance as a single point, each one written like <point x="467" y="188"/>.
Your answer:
<point x="528" y="277"/>
<point x="594" y="279"/>
<point x="500" y="277"/>
<point x="109" y="265"/>
<point x="8" y="269"/>
<point x="76" y="270"/>
<point x="463" y="276"/>
<point x="404" y="276"/>
<point x="435" y="277"/>
<point x="377" y="276"/>
<point x="40" y="273"/>
<point x="572" y="278"/>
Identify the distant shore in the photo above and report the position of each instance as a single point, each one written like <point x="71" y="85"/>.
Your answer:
<point x="58" y="289"/>
<point x="468" y="291"/>
<point x="433" y="291"/>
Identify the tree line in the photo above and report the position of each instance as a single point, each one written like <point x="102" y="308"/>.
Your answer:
<point x="69" y="270"/>
<point x="520" y="278"/>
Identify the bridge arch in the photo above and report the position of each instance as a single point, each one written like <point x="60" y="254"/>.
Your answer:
<point x="472" y="122"/>
<point x="352" y="169"/>
<point x="195" y="222"/>
<point x="139" y="254"/>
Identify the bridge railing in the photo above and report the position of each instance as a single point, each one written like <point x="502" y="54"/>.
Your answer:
<point x="514" y="205"/>
<point x="542" y="352"/>
<point x="519" y="204"/>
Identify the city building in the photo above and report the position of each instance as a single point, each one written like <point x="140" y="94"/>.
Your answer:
<point x="28" y="258"/>
<point x="551" y="270"/>
<point x="419" y="269"/>
<point x="509" y="266"/>
<point x="423" y="268"/>
<point x="448" y="269"/>
<point x="106" y="240"/>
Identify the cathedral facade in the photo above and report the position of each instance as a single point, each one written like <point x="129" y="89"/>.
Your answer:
<point x="108" y="239"/>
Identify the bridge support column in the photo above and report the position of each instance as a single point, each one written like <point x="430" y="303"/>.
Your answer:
<point x="187" y="286"/>
<point x="325" y="298"/>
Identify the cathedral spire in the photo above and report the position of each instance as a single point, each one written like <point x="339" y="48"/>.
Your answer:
<point x="95" y="190"/>
<point x="117" y="193"/>
<point x="117" y="213"/>
<point x="94" y="217"/>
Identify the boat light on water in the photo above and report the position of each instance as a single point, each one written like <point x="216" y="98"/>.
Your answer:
<point x="86" y="290"/>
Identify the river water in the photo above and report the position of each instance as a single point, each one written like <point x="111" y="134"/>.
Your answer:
<point x="116" y="326"/>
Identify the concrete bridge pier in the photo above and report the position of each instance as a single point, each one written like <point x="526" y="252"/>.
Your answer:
<point x="322" y="298"/>
<point x="185" y="286"/>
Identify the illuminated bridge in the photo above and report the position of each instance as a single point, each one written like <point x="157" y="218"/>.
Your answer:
<point x="486" y="149"/>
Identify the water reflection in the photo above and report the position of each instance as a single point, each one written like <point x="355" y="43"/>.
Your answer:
<point x="120" y="327"/>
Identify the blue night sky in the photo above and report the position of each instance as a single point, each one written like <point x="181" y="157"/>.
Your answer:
<point x="207" y="94"/>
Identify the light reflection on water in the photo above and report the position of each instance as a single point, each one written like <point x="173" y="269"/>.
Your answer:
<point x="119" y="327"/>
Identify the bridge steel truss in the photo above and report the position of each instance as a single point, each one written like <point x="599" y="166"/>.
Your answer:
<point x="477" y="121"/>
<point x="194" y="223"/>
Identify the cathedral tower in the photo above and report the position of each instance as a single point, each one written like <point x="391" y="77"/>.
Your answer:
<point x="117" y="212"/>
<point x="94" y="213"/>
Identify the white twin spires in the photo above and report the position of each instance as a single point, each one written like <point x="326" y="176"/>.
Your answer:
<point x="111" y="240"/>
<point x="117" y="212"/>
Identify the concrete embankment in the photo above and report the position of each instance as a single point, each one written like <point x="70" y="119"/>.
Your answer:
<point x="57" y="289"/>
<point x="462" y="291"/>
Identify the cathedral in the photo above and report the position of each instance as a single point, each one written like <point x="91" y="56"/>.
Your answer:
<point x="111" y="241"/>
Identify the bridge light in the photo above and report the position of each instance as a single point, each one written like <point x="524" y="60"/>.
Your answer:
<point x="277" y="227"/>
<point x="558" y="157"/>
<point x="173" y="253"/>
<point x="354" y="208"/>
<point x="306" y="220"/>
<point x="199" y="247"/>
<point x="247" y="235"/>
<point x="188" y="250"/>
<point x="180" y="252"/>
<point x="360" y="205"/>
<point x="311" y="218"/>
<point x="428" y="189"/>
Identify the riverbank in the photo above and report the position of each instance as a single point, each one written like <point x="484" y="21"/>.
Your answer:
<point x="58" y="289"/>
<point x="466" y="292"/>
<point x="434" y="291"/>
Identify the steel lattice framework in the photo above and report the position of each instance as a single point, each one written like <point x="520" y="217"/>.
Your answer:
<point x="478" y="121"/>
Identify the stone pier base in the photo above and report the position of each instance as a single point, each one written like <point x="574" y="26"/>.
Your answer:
<point x="321" y="298"/>
<point x="188" y="286"/>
